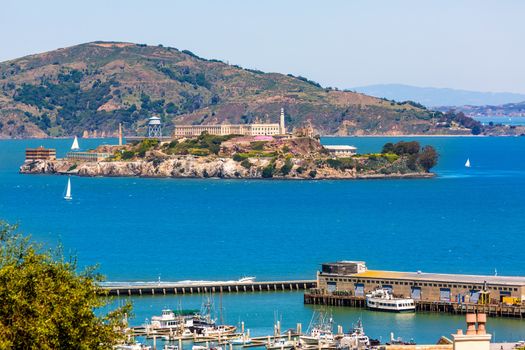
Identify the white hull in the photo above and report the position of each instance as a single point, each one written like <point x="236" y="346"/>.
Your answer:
<point x="394" y="305"/>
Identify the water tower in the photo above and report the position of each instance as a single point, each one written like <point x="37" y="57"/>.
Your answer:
<point x="154" y="127"/>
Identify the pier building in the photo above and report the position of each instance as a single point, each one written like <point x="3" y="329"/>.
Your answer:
<point x="41" y="153"/>
<point x="355" y="278"/>
<point x="253" y="129"/>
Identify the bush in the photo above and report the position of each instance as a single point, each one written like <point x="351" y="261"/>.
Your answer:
<point x="257" y="145"/>
<point x="341" y="163"/>
<point x="268" y="171"/>
<point x="128" y="155"/>
<point x="239" y="157"/>
<point x="428" y="158"/>
<point x="287" y="167"/>
<point x="246" y="164"/>
<point x="312" y="174"/>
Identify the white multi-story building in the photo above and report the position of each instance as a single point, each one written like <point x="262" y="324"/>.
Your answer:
<point x="254" y="129"/>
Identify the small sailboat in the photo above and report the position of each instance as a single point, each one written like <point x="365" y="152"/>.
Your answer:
<point x="467" y="163"/>
<point x="68" y="190"/>
<point x="74" y="146"/>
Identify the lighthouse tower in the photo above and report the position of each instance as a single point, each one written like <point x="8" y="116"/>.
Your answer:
<point x="281" y="123"/>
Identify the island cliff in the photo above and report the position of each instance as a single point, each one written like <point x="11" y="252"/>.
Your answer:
<point x="233" y="157"/>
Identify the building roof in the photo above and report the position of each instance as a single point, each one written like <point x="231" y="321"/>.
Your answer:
<point x="442" y="277"/>
<point x="340" y="147"/>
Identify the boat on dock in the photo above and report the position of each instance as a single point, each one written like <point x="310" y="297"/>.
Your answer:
<point x="356" y="339"/>
<point x="382" y="299"/>
<point x="320" y="330"/>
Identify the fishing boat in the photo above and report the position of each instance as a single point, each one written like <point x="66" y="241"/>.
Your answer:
<point x="382" y="299"/>
<point x="356" y="339"/>
<point x="280" y="343"/>
<point x="467" y="163"/>
<point x="135" y="346"/>
<point x="75" y="146"/>
<point x="68" y="196"/>
<point x="319" y="330"/>
<point x="399" y="341"/>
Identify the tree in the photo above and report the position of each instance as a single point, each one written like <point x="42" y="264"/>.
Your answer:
<point x="428" y="158"/>
<point x="388" y="148"/>
<point x="46" y="304"/>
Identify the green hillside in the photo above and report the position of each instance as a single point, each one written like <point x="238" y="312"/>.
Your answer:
<point x="94" y="86"/>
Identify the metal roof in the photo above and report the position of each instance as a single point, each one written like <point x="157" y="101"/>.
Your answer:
<point x="442" y="277"/>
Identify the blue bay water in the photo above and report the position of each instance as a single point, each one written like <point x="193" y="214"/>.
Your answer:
<point x="462" y="221"/>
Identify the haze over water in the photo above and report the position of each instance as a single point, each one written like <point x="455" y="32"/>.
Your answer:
<point x="463" y="221"/>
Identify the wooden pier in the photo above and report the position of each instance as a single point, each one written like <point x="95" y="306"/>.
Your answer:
<point x="163" y="288"/>
<point x="494" y="310"/>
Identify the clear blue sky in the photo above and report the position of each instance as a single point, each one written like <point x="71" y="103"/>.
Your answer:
<point x="476" y="45"/>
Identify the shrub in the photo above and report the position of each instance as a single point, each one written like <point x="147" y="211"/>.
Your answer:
<point x="257" y="145"/>
<point x="268" y="171"/>
<point x="287" y="167"/>
<point x="312" y="174"/>
<point x="239" y="157"/>
<point x="428" y="158"/>
<point x="246" y="164"/>
<point x="128" y="155"/>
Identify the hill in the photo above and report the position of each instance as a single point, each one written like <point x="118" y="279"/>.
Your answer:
<point x="92" y="87"/>
<point x="432" y="97"/>
<point x="505" y="110"/>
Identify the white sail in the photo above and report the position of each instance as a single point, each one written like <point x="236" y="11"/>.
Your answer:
<point x="467" y="163"/>
<point x="68" y="189"/>
<point x="75" y="146"/>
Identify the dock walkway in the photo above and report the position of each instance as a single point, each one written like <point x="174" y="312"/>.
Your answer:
<point x="163" y="288"/>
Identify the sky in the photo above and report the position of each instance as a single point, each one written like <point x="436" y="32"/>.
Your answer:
<point x="474" y="45"/>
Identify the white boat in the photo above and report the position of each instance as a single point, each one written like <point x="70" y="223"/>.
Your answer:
<point x="246" y="279"/>
<point x="356" y="339"/>
<point x="75" y="146"/>
<point x="136" y="346"/>
<point x="211" y="347"/>
<point x="167" y="319"/>
<point x="467" y="163"/>
<point x="68" y="190"/>
<point x="170" y="347"/>
<point x="280" y="343"/>
<point x="242" y="340"/>
<point x="319" y="330"/>
<point x="382" y="299"/>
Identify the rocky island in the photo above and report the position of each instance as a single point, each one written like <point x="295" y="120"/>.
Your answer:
<point x="243" y="157"/>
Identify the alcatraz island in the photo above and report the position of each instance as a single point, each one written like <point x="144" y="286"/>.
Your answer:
<point x="243" y="151"/>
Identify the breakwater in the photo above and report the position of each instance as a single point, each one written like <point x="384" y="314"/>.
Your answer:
<point x="164" y="288"/>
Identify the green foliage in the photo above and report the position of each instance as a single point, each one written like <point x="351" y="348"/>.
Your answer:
<point x="46" y="304"/>
<point x="300" y="170"/>
<point x="146" y="145"/>
<point x="428" y="158"/>
<point x="239" y="157"/>
<point x="268" y="171"/>
<point x="126" y="155"/>
<point x="287" y="167"/>
<point x="402" y="147"/>
<point x="210" y="144"/>
<point x="312" y="174"/>
<point x="341" y="163"/>
<point x="246" y="164"/>
<point x="390" y="157"/>
<point x="257" y="145"/>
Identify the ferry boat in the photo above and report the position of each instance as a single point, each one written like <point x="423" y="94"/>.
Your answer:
<point x="382" y="300"/>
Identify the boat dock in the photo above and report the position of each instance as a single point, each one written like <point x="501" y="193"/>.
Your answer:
<point x="163" y="288"/>
<point x="346" y="283"/>
<point x="495" y="310"/>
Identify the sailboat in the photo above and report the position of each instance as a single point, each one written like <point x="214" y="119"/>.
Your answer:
<point x="467" y="163"/>
<point x="74" y="146"/>
<point x="68" y="190"/>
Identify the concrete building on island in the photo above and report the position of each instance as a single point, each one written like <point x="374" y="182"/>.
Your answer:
<point x="252" y="129"/>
